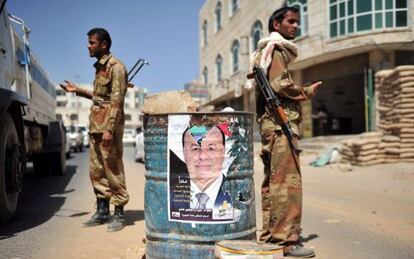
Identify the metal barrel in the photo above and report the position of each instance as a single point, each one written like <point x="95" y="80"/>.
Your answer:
<point x="169" y="238"/>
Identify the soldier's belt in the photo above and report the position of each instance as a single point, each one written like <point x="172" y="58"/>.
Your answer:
<point x="100" y="101"/>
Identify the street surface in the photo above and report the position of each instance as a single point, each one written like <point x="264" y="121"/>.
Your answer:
<point x="364" y="213"/>
<point x="52" y="209"/>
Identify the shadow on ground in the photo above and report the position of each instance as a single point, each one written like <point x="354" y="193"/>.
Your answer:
<point x="308" y="238"/>
<point x="41" y="198"/>
<point x="133" y="216"/>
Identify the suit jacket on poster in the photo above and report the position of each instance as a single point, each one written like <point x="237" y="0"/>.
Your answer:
<point x="178" y="170"/>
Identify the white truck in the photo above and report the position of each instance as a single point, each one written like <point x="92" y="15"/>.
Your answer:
<point x="28" y="129"/>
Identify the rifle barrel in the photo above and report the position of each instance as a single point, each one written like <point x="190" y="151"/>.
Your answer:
<point x="135" y="69"/>
<point x="136" y="64"/>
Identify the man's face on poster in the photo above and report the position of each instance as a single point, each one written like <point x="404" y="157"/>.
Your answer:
<point x="204" y="156"/>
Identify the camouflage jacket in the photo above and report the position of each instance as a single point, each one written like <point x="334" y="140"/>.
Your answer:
<point x="109" y="88"/>
<point x="289" y="93"/>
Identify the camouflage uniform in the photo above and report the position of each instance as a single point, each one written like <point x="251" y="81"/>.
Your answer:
<point x="282" y="187"/>
<point x="106" y="167"/>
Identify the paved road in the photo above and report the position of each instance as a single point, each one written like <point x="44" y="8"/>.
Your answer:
<point x="364" y="213"/>
<point x="51" y="210"/>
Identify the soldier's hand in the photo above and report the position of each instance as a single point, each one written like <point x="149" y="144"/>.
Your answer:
<point x="315" y="86"/>
<point x="107" y="139"/>
<point x="69" y="86"/>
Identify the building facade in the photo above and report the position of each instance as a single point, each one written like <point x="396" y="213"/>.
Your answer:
<point x="198" y="91"/>
<point x="75" y="110"/>
<point x="341" y="42"/>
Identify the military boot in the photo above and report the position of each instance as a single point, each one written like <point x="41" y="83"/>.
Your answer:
<point x="299" y="251"/>
<point x="101" y="215"/>
<point x="118" y="220"/>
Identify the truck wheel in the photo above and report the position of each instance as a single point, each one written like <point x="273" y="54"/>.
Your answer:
<point x="10" y="164"/>
<point x="40" y="164"/>
<point x="56" y="143"/>
<point x="57" y="162"/>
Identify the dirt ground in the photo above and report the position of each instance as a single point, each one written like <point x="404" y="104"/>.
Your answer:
<point x="350" y="183"/>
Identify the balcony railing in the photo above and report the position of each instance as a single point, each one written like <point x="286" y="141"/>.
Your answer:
<point x="233" y="84"/>
<point x="219" y="89"/>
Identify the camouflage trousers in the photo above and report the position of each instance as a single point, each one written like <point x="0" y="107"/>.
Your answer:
<point x="281" y="190"/>
<point x="106" y="169"/>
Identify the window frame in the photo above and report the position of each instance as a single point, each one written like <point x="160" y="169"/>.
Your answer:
<point x="352" y="19"/>
<point x="303" y="16"/>
<point x="205" y="76"/>
<point x="254" y="30"/>
<point x="218" y="16"/>
<point x="234" y="6"/>
<point x="219" y="68"/>
<point x="205" y="33"/>
<point x="235" y="66"/>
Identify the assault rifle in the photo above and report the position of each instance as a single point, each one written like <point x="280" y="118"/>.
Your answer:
<point x="273" y="104"/>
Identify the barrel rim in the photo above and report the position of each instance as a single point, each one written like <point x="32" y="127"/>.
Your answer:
<point x="222" y="246"/>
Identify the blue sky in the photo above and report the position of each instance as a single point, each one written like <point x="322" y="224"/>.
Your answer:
<point x="164" y="32"/>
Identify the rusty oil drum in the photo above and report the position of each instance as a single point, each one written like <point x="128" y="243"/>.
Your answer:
<point x="167" y="238"/>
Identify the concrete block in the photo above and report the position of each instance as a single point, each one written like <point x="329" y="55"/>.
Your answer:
<point x="169" y="102"/>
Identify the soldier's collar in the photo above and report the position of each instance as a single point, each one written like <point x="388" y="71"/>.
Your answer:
<point x="101" y="63"/>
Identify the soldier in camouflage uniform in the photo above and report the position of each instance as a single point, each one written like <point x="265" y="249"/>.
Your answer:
<point x="282" y="187"/>
<point x="106" y="130"/>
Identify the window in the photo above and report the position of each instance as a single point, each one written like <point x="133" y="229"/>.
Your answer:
<point x="73" y="117"/>
<point x="61" y="104"/>
<point x="350" y="16"/>
<point x="59" y="116"/>
<point x="205" y="26"/>
<point x="38" y="75"/>
<point x="235" y="55"/>
<point x="219" y="64"/>
<point x="60" y="92"/>
<point x="302" y="6"/>
<point x="234" y="6"/>
<point x="218" y="16"/>
<point x="257" y="34"/>
<point x="128" y="117"/>
<point x="205" y="75"/>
